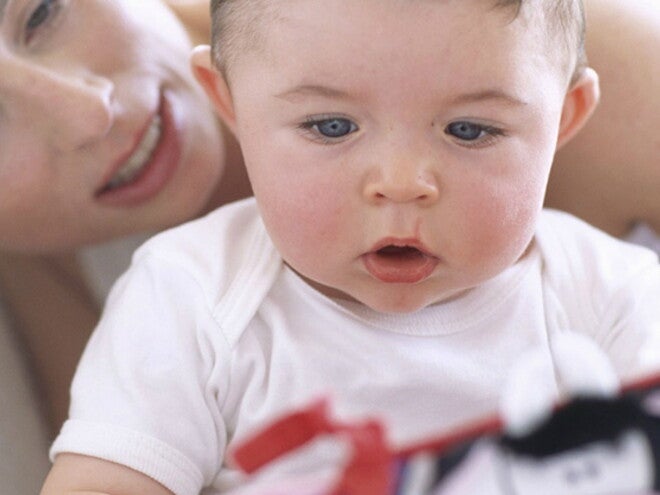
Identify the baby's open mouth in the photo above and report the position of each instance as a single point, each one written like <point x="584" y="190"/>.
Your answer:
<point x="401" y="252"/>
<point x="399" y="264"/>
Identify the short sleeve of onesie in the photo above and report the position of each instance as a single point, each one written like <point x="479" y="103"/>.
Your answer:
<point x="147" y="389"/>
<point x="610" y="289"/>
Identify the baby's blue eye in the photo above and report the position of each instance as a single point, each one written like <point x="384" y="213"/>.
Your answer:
<point x="334" y="128"/>
<point x="467" y="131"/>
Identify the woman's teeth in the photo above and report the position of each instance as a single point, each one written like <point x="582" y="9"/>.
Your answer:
<point x="140" y="156"/>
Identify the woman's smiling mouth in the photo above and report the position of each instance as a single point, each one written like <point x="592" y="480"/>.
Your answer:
<point x="150" y="165"/>
<point x="140" y="157"/>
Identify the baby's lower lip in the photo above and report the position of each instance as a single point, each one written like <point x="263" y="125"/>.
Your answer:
<point x="399" y="265"/>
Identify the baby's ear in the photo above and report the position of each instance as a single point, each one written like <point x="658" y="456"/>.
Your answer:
<point x="579" y="104"/>
<point x="214" y="84"/>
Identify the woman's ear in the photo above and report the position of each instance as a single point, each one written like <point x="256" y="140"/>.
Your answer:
<point x="579" y="104"/>
<point x="214" y="84"/>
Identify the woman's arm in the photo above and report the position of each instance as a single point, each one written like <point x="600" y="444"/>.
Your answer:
<point x="81" y="475"/>
<point x="53" y="313"/>
<point x="610" y="173"/>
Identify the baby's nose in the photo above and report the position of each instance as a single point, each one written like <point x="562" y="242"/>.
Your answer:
<point x="402" y="181"/>
<point x="402" y="191"/>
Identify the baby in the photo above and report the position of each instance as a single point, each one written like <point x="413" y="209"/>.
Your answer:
<point x="395" y="257"/>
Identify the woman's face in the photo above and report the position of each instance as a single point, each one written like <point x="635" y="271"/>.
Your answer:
<point x="103" y="131"/>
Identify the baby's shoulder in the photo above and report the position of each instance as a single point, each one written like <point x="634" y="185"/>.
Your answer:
<point x="567" y="241"/>
<point x="214" y="239"/>
<point x="590" y="270"/>
<point x="226" y="252"/>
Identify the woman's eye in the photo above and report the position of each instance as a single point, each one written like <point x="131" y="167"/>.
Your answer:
<point x="471" y="134"/>
<point x="330" y="129"/>
<point x="40" y="16"/>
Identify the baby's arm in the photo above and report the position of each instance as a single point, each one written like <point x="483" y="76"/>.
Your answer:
<point x="82" y="475"/>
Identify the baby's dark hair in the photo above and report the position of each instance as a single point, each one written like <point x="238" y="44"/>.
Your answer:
<point x="235" y="26"/>
<point x="566" y="18"/>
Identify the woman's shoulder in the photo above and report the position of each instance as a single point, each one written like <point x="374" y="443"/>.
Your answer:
<point x="608" y="174"/>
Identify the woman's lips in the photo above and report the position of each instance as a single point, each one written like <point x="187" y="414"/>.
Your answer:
<point x="140" y="156"/>
<point x="147" y="168"/>
<point x="400" y="262"/>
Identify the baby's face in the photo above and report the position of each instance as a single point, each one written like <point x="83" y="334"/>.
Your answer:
<point x="399" y="151"/>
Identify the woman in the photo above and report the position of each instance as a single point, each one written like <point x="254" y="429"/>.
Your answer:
<point x="104" y="135"/>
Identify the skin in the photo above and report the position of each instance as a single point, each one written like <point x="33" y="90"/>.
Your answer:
<point x="401" y="174"/>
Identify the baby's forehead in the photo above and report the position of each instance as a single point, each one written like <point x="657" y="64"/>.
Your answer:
<point x="240" y="26"/>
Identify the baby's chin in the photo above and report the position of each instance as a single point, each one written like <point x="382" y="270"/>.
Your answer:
<point x="399" y="301"/>
<point x="384" y="298"/>
<point x="404" y="305"/>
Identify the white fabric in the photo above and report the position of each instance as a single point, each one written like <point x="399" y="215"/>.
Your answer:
<point x="210" y="335"/>
<point x="644" y="235"/>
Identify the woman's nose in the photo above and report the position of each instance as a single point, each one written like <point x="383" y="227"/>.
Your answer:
<point x="402" y="180"/>
<point x="72" y="107"/>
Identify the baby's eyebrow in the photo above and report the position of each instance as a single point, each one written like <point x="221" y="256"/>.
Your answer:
<point x="298" y="92"/>
<point x="485" y="95"/>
